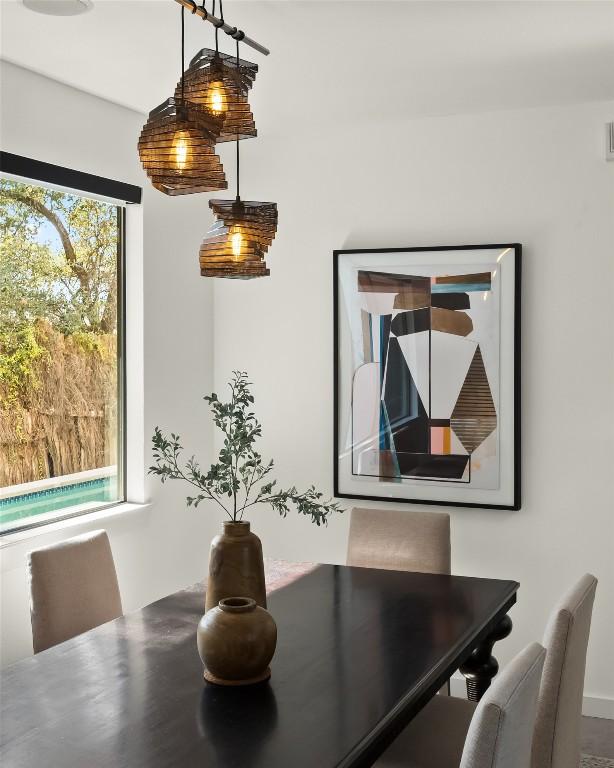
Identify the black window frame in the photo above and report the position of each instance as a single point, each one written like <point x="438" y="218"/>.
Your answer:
<point x="40" y="172"/>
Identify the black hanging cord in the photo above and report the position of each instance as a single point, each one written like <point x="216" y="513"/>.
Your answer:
<point x="221" y="24"/>
<point x="238" y="158"/>
<point x="238" y="164"/>
<point x="216" y="28"/>
<point x="233" y="32"/>
<point x="236" y="34"/>
<point x="182" y="51"/>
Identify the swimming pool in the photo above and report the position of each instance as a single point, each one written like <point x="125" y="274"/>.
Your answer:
<point x="17" y="508"/>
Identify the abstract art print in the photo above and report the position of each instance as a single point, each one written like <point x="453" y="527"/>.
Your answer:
<point x="427" y="366"/>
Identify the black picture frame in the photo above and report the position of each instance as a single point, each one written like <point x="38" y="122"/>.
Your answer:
<point x="516" y="248"/>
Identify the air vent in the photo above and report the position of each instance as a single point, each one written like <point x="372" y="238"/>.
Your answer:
<point x="609" y="141"/>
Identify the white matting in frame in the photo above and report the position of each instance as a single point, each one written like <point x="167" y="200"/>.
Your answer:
<point x="427" y="370"/>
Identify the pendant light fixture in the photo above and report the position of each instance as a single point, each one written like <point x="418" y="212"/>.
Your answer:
<point x="177" y="149"/>
<point x="237" y="242"/>
<point x="218" y="82"/>
<point x="177" y="144"/>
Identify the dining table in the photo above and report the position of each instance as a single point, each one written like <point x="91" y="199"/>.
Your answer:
<point x="360" y="652"/>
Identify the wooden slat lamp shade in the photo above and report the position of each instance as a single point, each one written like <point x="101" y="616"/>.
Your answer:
<point x="237" y="242"/>
<point x="177" y="148"/>
<point x="220" y="83"/>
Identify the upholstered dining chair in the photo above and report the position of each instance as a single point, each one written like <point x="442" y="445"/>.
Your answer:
<point x="399" y="540"/>
<point x="498" y="733"/>
<point x="556" y="743"/>
<point x="556" y="737"/>
<point x="73" y="588"/>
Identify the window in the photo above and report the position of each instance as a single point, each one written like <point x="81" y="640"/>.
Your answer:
<point x="61" y="352"/>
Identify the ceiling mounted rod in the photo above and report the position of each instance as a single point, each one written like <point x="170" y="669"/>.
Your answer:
<point x="233" y="32"/>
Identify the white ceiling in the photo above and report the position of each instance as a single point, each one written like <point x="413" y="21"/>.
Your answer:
<point x="360" y="59"/>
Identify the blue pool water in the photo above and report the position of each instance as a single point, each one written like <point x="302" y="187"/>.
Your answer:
<point x="30" y="504"/>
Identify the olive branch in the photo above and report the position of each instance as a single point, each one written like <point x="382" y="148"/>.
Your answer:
<point x="239" y="479"/>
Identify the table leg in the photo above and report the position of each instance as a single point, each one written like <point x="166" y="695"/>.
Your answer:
<point x="481" y="666"/>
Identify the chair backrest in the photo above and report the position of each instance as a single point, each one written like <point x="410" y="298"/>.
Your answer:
<point x="556" y="743"/>
<point x="73" y="588"/>
<point x="400" y="540"/>
<point x="501" y="729"/>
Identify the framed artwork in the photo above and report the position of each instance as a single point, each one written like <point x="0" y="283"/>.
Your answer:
<point x="427" y="375"/>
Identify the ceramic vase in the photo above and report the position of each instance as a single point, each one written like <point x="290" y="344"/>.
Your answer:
<point x="236" y="642"/>
<point x="236" y="566"/>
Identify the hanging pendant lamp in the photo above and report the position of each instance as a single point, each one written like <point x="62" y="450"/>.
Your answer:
<point x="220" y="83"/>
<point x="177" y="149"/>
<point x="177" y="144"/>
<point x="237" y="242"/>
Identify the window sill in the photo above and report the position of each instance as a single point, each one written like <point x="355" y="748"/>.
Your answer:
<point x="85" y="519"/>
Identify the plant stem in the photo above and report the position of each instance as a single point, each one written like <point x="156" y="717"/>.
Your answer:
<point x="262" y="500"/>
<point x="196" y="485"/>
<point x="248" y="489"/>
<point x="232" y="464"/>
<point x="231" y="476"/>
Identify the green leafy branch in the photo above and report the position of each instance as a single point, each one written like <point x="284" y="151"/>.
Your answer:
<point x="239" y="479"/>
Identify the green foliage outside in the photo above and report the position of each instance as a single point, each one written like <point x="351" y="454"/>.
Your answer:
<point x="58" y="296"/>
<point x="20" y="350"/>
<point x="239" y="479"/>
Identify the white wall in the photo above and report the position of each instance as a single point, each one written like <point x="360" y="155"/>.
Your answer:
<point x="536" y="176"/>
<point x="163" y="548"/>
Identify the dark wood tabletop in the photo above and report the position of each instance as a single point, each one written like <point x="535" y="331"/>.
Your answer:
<point x="359" y="653"/>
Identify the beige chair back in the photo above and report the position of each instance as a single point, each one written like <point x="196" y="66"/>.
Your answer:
<point x="556" y="743"/>
<point x="501" y="728"/>
<point x="400" y="540"/>
<point x="73" y="588"/>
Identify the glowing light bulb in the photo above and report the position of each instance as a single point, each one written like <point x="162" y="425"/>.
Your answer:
<point x="182" y="153"/>
<point x="236" y="242"/>
<point x="217" y="105"/>
<point x="217" y="97"/>
<point x="181" y="149"/>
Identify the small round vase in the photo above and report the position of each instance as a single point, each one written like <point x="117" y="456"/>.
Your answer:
<point x="236" y="566"/>
<point x="236" y="642"/>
